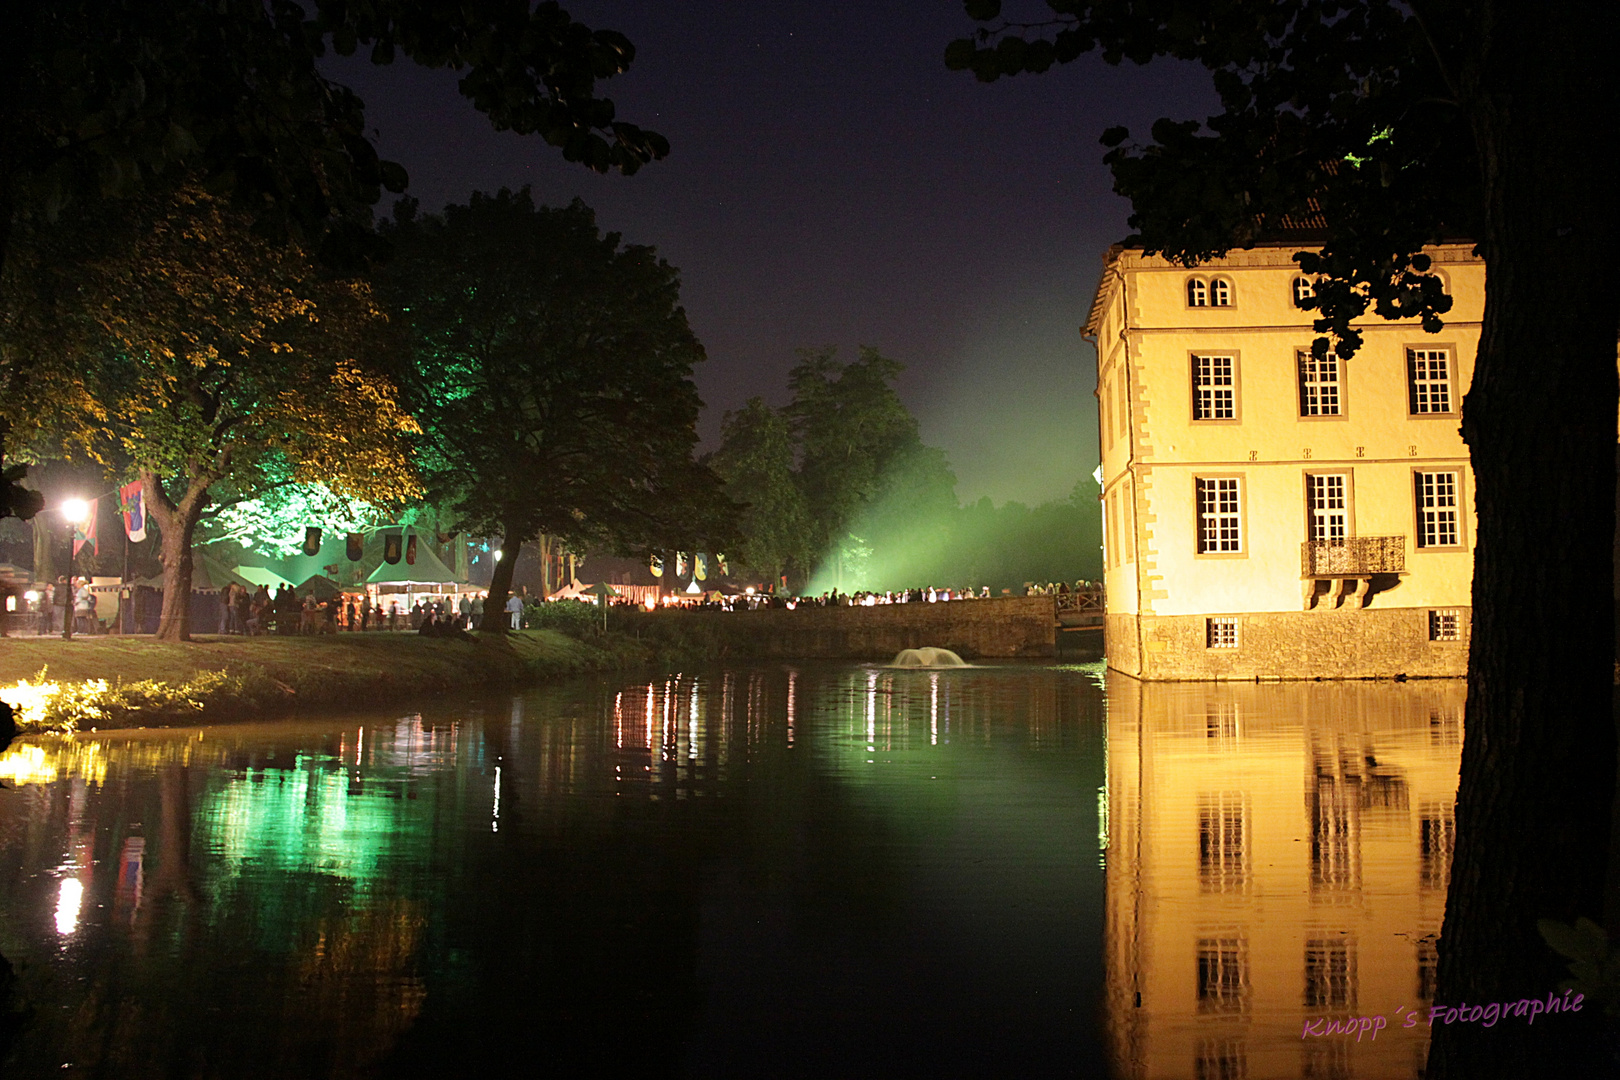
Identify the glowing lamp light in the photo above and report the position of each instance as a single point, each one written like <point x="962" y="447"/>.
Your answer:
<point x="30" y="596"/>
<point x="749" y="590"/>
<point x="651" y="603"/>
<point x="497" y="555"/>
<point x="75" y="510"/>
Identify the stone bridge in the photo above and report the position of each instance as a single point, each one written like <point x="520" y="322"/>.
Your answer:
<point x="1001" y="628"/>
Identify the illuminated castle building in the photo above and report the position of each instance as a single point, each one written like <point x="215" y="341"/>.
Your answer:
<point x="1267" y="514"/>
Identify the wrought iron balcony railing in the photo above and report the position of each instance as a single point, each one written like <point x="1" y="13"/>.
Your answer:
<point x="1354" y="556"/>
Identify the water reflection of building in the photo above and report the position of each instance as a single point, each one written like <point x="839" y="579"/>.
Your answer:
<point x="1277" y="853"/>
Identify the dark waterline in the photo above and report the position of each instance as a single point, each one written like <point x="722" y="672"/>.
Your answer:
<point x="819" y="870"/>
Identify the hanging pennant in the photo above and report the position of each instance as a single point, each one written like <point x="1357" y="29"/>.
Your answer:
<point x="134" y="508"/>
<point x="410" y="550"/>
<point x="312" y="541"/>
<point x="391" y="548"/>
<point x="720" y="564"/>
<point x="680" y="564"/>
<point x="85" y="532"/>
<point x="355" y="546"/>
<point x="656" y="565"/>
<point x="700" y="566"/>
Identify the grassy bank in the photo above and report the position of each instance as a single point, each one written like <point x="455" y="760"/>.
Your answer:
<point x="135" y="681"/>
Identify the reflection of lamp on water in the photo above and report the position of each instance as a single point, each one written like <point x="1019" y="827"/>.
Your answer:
<point x="74" y="512"/>
<point x="67" y="905"/>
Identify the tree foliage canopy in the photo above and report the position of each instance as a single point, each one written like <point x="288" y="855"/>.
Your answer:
<point x="96" y="98"/>
<point x="756" y="462"/>
<point x="1333" y="112"/>
<point x="552" y="368"/>
<point x="173" y="343"/>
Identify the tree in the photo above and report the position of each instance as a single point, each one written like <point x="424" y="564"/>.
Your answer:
<point x="755" y="460"/>
<point x="202" y="355"/>
<point x="850" y="425"/>
<point x="552" y="370"/>
<point x="102" y="98"/>
<point x="97" y="98"/>
<point x="1399" y="124"/>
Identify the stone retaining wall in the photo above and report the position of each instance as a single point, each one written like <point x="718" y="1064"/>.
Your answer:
<point x="1374" y="643"/>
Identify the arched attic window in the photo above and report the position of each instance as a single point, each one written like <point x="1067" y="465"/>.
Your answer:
<point x="1220" y="292"/>
<point x="1197" y="292"/>
<point x="1303" y="291"/>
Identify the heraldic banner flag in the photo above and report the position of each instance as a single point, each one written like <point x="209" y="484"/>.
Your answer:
<point x="85" y="533"/>
<point x="134" y="511"/>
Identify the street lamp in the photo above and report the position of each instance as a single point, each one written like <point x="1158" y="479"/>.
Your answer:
<point x="74" y="512"/>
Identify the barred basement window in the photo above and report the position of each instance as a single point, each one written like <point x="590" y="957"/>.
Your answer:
<point x="1318" y="385"/>
<point x="1428" y="381"/>
<point x="1445" y="625"/>
<point x="1437" y="509"/>
<point x="1221" y="633"/>
<point x="1214" y="388"/>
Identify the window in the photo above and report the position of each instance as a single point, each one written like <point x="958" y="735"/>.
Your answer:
<point x="1428" y="379"/>
<point x="1302" y="291"/>
<point x="1445" y="625"/>
<point x="1330" y="974"/>
<point x="1220" y="633"/>
<point x="1222" y="843"/>
<point x="1220" y="1059"/>
<point x="1197" y="293"/>
<point x="1437" y="840"/>
<point x="1220" y="292"/>
<point x="1328" y="507"/>
<point x="1220" y="518"/>
<point x="1428" y="969"/>
<point x="1437" y="509"/>
<point x="1214" y="387"/>
<point x="1223" y="977"/>
<point x="1333" y="805"/>
<point x="1113" y="529"/>
<point x="1318" y="385"/>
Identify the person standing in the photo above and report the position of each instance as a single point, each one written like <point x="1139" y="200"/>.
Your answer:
<point x="365" y="612"/>
<point x="464" y="609"/>
<point x="84" y="610"/>
<point x="514" y="608"/>
<point x="477" y="612"/>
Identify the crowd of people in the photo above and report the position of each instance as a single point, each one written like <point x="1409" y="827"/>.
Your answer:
<point x="285" y="612"/>
<point x="752" y="600"/>
<point x="51" y="602"/>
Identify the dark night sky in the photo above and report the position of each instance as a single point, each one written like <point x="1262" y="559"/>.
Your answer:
<point x="831" y="183"/>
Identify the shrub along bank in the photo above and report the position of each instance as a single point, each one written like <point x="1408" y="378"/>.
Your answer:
<point x="105" y="682"/>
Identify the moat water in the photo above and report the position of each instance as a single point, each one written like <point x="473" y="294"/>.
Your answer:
<point x="812" y="870"/>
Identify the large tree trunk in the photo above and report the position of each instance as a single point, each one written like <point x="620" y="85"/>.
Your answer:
<point x="177" y="521"/>
<point x="1534" y="804"/>
<point x="496" y="620"/>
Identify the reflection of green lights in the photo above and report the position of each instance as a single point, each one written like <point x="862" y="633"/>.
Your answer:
<point x="301" y="820"/>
